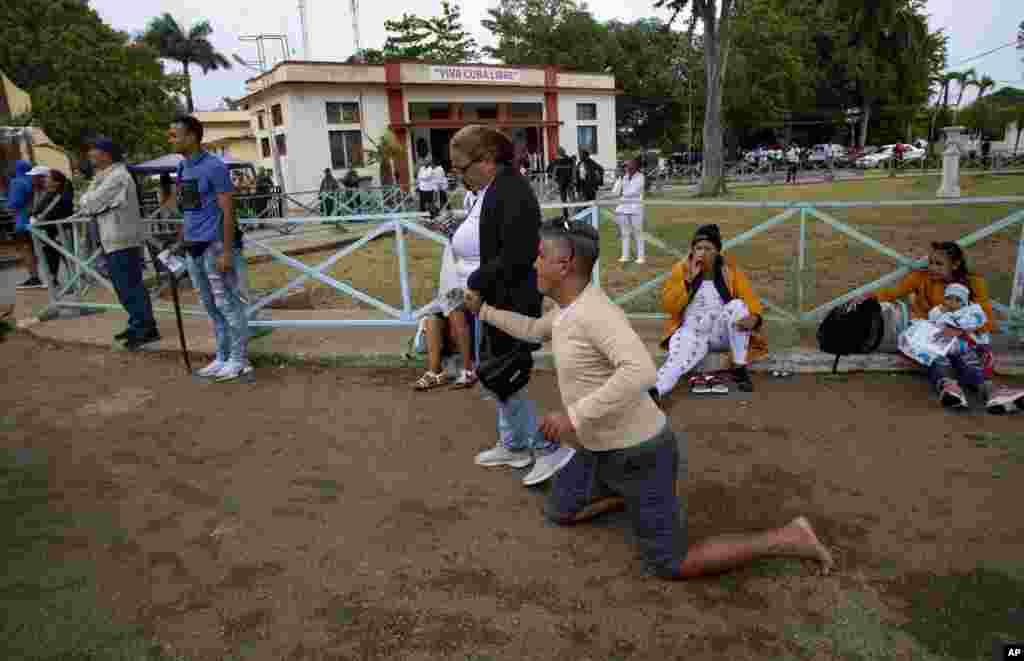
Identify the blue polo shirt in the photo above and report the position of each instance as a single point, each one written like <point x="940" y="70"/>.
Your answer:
<point x="200" y="179"/>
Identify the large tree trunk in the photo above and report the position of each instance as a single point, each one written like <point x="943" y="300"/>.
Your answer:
<point x="717" y="35"/>
<point x="188" y="90"/>
<point x="865" y="119"/>
<point x="1016" y="142"/>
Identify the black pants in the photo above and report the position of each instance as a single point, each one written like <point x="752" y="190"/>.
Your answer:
<point x="563" y="193"/>
<point x="51" y="255"/>
<point x="427" y="202"/>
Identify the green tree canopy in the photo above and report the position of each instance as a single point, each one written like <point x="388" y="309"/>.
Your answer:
<point x="439" y="38"/>
<point x="86" y="78"/>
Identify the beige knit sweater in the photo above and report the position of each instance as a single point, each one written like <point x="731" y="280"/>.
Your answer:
<point x="604" y="370"/>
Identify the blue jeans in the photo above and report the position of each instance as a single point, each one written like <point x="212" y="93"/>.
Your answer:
<point x="221" y="296"/>
<point x="126" y="276"/>
<point x="966" y="368"/>
<point x="518" y="426"/>
<point x="645" y="477"/>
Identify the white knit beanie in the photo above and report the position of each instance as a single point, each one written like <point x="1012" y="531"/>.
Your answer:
<point x="958" y="291"/>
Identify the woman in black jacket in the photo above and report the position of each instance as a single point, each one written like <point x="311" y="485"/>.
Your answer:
<point x="509" y="228"/>
<point x="57" y="203"/>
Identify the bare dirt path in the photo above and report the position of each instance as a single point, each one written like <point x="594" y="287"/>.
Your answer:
<point x="337" y="515"/>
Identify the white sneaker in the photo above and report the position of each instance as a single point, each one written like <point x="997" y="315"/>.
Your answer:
<point x="623" y="259"/>
<point x="211" y="369"/>
<point x="499" y="456"/>
<point x="641" y="260"/>
<point x="232" y="370"/>
<point x="549" y="464"/>
<point x="1006" y="401"/>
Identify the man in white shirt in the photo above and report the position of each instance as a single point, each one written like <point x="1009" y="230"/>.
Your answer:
<point x="629" y="215"/>
<point x="426" y="185"/>
<point x="440" y="186"/>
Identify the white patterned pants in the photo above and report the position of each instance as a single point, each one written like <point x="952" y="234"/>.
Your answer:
<point x="715" y="331"/>
<point x="630" y="225"/>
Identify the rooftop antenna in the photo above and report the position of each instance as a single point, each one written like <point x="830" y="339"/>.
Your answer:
<point x="354" y="6"/>
<point x="305" y="29"/>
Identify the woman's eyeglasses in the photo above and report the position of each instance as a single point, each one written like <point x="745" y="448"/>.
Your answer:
<point x="461" y="169"/>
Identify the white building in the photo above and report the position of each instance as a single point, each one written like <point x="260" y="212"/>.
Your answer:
<point x="325" y="114"/>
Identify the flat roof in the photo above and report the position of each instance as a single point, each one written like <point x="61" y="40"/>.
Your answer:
<point x="407" y="73"/>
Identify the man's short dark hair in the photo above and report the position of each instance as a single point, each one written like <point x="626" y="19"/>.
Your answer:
<point x="192" y="125"/>
<point x="580" y="238"/>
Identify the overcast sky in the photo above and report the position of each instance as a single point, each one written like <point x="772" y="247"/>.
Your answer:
<point x="974" y="26"/>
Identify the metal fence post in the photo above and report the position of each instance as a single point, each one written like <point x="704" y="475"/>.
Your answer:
<point x="1015" y="316"/>
<point x="403" y="270"/>
<point x="801" y="263"/>
<point x="595" y="219"/>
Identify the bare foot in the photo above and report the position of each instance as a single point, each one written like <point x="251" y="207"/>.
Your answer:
<point x="807" y="544"/>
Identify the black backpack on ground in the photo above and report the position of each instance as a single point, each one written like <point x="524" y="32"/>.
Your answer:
<point x="852" y="330"/>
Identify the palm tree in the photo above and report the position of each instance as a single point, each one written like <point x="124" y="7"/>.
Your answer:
<point x="965" y="80"/>
<point x="984" y="84"/>
<point x="1016" y="115"/>
<point x="193" y="47"/>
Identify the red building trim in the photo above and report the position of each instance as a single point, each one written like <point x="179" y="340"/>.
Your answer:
<point x="551" y="126"/>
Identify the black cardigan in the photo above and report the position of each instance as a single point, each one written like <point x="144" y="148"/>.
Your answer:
<point x="509" y="234"/>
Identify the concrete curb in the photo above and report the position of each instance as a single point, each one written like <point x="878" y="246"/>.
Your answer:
<point x="800" y="361"/>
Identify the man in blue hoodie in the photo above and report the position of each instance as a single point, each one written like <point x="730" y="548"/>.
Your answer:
<point x="19" y="199"/>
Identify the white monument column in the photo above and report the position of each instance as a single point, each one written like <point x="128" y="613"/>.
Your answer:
<point x="951" y="163"/>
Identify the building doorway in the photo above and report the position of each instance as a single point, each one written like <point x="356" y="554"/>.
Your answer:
<point x="439" y="139"/>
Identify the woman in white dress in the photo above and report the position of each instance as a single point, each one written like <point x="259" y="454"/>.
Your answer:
<point x="629" y="215"/>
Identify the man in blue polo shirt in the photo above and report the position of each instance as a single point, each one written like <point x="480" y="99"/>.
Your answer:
<point x="213" y="242"/>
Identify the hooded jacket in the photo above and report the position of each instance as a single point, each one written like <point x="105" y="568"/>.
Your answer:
<point x="20" y="194"/>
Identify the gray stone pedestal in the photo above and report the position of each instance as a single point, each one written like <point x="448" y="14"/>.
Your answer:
<point x="950" y="186"/>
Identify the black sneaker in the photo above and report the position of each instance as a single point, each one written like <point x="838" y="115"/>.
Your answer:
<point x="123" y="335"/>
<point x="742" y="378"/>
<point x="135" y="341"/>
<point x="32" y="283"/>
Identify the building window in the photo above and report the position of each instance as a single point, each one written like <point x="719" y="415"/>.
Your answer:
<point x="586" y="112"/>
<point x="261" y="120"/>
<point x="422" y="111"/>
<point x="346" y="149"/>
<point x="526" y="111"/>
<point x="342" y="113"/>
<point x="282" y="146"/>
<point x="265" y="147"/>
<point x="275" y="114"/>
<point x="586" y="138"/>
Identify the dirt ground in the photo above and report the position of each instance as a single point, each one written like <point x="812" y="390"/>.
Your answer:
<point x="317" y="515"/>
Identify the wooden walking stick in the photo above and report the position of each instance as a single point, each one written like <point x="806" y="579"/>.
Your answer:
<point x="177" y="314"/>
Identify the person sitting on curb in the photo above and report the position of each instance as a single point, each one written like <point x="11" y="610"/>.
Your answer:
<point x="626" y="452"/>
<point x="947" y="265"/>
<point x="711" y="308"/>
<point x="460" y="259"/>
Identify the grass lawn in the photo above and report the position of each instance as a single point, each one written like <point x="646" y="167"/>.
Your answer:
<point x="49" y="600"/>
<point x="836" y="263"/>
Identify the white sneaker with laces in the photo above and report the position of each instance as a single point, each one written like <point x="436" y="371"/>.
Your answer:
<point x="500" y="456"/>
<point x="549" y="464"/>
<point x="641" y="260"/>
<point x="232" y="370"/>
<point x="212" y="369"/>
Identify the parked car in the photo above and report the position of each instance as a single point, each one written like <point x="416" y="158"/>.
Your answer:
<point x="818" y="153"/>
<point x="887" y="153"/>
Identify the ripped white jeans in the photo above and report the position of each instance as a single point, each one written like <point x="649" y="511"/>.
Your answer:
<point x="222" y="297"/>
<point x="715" y="331"/>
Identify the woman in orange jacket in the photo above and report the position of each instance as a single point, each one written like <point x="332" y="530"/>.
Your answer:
<point x="712" y="308"/>
<point x="948" y="265"/>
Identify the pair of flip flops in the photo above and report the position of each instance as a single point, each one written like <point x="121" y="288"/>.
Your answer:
<point x="708" y="384"/>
